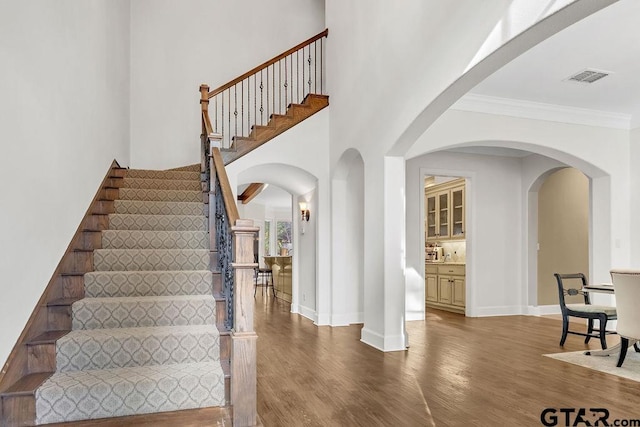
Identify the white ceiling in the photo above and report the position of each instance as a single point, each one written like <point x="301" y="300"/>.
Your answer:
<point x="608" y="40"/>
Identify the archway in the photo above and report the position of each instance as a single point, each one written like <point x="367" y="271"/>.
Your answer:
<point x="302" y="186"/>
<point x="502" y="219"/>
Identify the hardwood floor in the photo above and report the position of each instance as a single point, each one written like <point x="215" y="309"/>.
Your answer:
<point x="458" y="372"/>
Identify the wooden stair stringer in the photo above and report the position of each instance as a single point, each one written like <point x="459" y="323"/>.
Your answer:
<point x="32" y="359"/>
<point x="278" y="124"/>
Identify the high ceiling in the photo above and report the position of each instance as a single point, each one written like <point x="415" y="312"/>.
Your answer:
<point x="606" y="41"/>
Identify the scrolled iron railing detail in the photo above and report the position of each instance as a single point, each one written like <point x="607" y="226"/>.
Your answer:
<point x="225" y="253"/>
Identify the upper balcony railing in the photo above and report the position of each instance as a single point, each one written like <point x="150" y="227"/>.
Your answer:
<point x="250" y="99"/>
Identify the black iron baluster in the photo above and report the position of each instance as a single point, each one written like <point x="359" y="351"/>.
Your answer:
<point x="280" y="84"/>
<point x="255" y="98"/>
<point x="309" y="62"/>
<point x="286" y="87"/>
<point x="261" y="88"/>
<point x="298" y="74"/>
<point x="241" y="109"/>
<point x="215" y="114"/>
<point x="235" y="106"/>
<point x="315" y="66"/>
<point x="225" y="253"/>
<point x="222" y="115"/>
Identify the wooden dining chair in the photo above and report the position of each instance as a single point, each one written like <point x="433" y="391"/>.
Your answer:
<point x="627" y="288"/>
<point x="570" y="285"/>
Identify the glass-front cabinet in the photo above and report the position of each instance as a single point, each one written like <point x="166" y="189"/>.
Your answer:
<point x="430" y="222"/>
<point x="444" y="211"/>
<point x="457" y="212"/>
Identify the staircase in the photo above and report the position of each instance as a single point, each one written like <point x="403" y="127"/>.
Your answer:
<point x="144" y="337"/>
<point x="142" y="315"/>
<point x="278" y="123"/>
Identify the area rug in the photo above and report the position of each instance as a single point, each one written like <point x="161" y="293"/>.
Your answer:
<point x="630" y="369"/>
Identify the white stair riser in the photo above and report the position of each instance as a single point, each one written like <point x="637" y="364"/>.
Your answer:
<point x="72" y="396"/>
<point x="93" y="313"/>
<point x="150" y="259"/>
<point x="142" y="207"/>
<point x="128" y="347"/>
<point x="157" y="222"/>
<point x="160" y="195"/>
<point x="152" y="239"/>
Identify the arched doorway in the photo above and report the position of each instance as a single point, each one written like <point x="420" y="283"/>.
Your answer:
<point x="301" y="186"/>
<point x="563" y="230"/>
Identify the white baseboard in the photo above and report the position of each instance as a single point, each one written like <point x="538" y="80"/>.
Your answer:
<point x="543" y="310"/>
<point x="414" y="315"/>
<point x="308" y="313"/>
<point x="347" y="319"/>
<point x="322" y="319"/>
<point x="506" y="310"/>
<point x="375" y="340"/>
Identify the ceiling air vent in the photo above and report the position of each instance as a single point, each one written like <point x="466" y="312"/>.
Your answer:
<point x="587" y="76"/>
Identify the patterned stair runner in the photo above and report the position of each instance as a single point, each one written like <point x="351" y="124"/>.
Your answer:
<point x="143" y="339"/>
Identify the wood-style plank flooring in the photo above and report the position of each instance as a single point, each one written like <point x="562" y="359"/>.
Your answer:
<point x="458" y="372"/>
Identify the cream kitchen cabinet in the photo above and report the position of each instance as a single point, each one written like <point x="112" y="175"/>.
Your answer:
<point x="444" y="211"/>
<point x="431" y="283"/>
<point x="445" y="286"/>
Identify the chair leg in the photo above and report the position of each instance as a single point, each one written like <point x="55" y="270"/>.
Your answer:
<point x="624" y="345"/>
<point x="603" y="332"/>
<point x="589" y="330"/>
<point x="635" y="347"/>
<point x="565" y="330"/>
<point x="273" y="286"/>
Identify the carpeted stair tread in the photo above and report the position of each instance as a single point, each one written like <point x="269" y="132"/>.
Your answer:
<point x="157" y="222"/>
<point x="150" y="259"/>
<point x="158" y="207"/>
<point x="79" y="395"/>
<point x="160" y="195"/>
<point x="168" y="174"/>
<point x="162" y="184"/>
<point x="147" y="283"/>
<point x="154" y="239"/>
<point x="133" y="312"/>
<point x="81" y="350"/>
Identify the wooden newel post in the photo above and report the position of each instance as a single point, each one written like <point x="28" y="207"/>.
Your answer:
<point x="204" y="107"/>
<point x="204" y="97"/>
<point x="244" y="338"/>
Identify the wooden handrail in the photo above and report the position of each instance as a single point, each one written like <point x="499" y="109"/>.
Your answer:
<point x="272" y="61"/>
<point x="227" y="194"/>
<point x="206" y="123"/>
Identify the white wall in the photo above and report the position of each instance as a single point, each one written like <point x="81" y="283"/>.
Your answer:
<point x="64" y="116"/>
<point x="178" y="45"/>
<point x="305" y="251"/>
<point x="634" y="191"/>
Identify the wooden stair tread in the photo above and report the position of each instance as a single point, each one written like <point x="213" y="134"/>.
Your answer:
<point x="278" y="123"/>
<point x="72" y="273"/>
<point x="210" y="416"/>
<point x="26" y="385"/>
<point x="48" y="337"/>
<point x="62" y="302"/>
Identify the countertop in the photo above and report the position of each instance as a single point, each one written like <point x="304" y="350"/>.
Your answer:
<point x="445" y="263"/>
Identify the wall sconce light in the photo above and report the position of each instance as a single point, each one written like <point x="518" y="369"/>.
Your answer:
<point x="304" y="212"/>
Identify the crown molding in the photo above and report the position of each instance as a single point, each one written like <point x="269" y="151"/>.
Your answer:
<point x="542" y="111"/>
